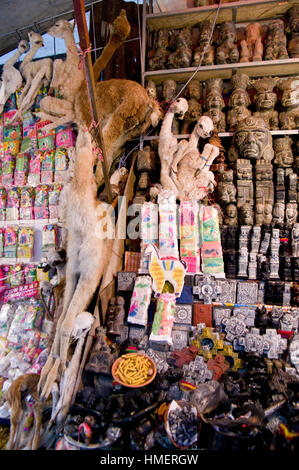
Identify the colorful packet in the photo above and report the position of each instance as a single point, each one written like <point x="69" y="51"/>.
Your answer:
<point x="30" y="273"/>
<point x="65" y="137"/>
<point x="163" y="320"/>
<point x="41" y="209"/>
<point x="17" y="276"/>
<point x="140" y="301"/>
<point x="211" y="249"/>
<point x="61" y="164"/>
<point x="10" y="242"/>
<point x="11" y="147"/>
<point x="49" y="238"/>
<point x="8" y="167"/>
<point x="12" y="204"/>
<point x="2" y="204"/>
<point x="47" y="167"/>
<point x="12" y="133"/>
<point x="189" y="235"/>
<point x="26" y="203"/>
<point x="22" y="168"/>
<point x="34" y="168"/>
<point x="25" y="242"/>
<point x="168" y="240"/>
<point x="28" y="145"/>
<point x="54" y="195"/>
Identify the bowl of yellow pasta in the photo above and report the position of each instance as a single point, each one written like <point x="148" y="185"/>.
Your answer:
<point x="134" y="370"/>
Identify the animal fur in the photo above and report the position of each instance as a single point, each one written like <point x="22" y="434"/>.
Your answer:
<point x="21" y="388"/>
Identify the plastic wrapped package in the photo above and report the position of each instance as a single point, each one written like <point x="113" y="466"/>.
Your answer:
<point x="140" y="301"/>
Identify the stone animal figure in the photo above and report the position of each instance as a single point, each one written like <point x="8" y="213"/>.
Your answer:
<point x="22" y="397"/>
<point x="11" y="77"/>
<point x="87" y="257"/>
<point x="36" y="74"/>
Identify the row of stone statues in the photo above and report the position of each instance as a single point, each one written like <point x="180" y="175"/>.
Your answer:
<point x="280" y="113"/>
<point x="195" y="46"/>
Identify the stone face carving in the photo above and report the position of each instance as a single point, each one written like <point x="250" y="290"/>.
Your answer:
<point x="214" y="103"/>
<point x="283" y="152"/>
<point x="146" y="163"/>
<point x="252" y="140"/>
<point x="226" y="190"/>
<point x="115" y="316"/>
<point x="239" y="101"/>
<point x="151" y="89"/>
<point x="252" y="46"/>
<point x="193" y="95"/>
<point x="293" y="28"/>
<point x="265" y="101"/>
<point x="227" y="50"/>
<point x="264" y="193"/>
<point x="295" y="240"/>
<point x="276" y="41"/>
<point x="158" y="61"/>
<point x="247" y="293"/>
<point x="278" y="213"/>
<point x="182" y="55"/>
<point x="230" y="215"/>
<point x="205" y="29"/>
<point x="291" y="213"/>
<point x="289" y="117"/>
<point x="246" y="215"/>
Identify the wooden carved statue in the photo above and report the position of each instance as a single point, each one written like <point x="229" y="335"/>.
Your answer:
<point x="159" y="59"/>
<point x="182" y="55"/>
<point x="238" y="101"/>
<point x="276" y="41"/>
<point x="264" y="192"/>
<point x="283" y="152"/>
<point x="289" y="117"/>
<point x="193" y="95"/>
<point x="205" y="29"/>
<point x="230" y="215"/>
<point x="214" y="103"/>
<point x="115" y="316"/>
<point x="252" y="46"/>
<point x="226" y="190"/>
<point x="227" y="50"/>
<point x="265" y="101"/>
<point x="293" y="29"/>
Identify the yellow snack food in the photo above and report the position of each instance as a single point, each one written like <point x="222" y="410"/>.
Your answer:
<point x="134" y="369"/>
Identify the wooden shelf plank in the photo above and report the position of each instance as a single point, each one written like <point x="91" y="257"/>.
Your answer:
<point x="245" y="11"/>
<point x="252" y="69"/>
<point x="227" y="134"/>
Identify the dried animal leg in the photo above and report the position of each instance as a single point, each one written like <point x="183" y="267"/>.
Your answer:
<point x="59" y="111"/>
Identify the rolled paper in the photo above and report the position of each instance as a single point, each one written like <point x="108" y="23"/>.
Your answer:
<point x="149" y="230"/>
<point x="168" y="239"/>
<point x="140" y="301"/>
<point x="211" y="249"/>
<point x="163" y="319"/>
<point x="189" y="235"/>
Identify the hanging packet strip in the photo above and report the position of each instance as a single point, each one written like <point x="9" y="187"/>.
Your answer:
<point x="47" y="167"/>
<point x="140" y="300"/>
<point x="22" y="168"/>
<point x="12" y="204"/>
<point x="211" y="249"/>
<point x="25" y="242"/>
<point x="10" y="242"/>
<point x="27" y="203"/>
<point x="54" y="195"/>
<point x="8" y="167"/>
<point x="41" y="209"/>
<point x="34" y="168"/>
<point x="163" y="320"/>
<point x="189" y="234"/>
<point x="65" y="137"/>
<point x="168" y="240"/>
<point x="149" y="231"/>
<point x="2" y="204"/>
<point x="61" y="164"/>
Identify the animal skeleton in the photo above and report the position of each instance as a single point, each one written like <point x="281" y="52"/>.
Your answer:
<point x="36" y="74"/>
<point x="11" y="77"/>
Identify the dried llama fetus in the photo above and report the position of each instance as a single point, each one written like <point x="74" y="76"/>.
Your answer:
<point x="289" y="117"/>
<point x="227" y="50"/>
<point x="276" y="41"/>
<point x="265" y="101"/>
<point x="214" y="103"/>
<point x="238" y="101"/>
<point x="252" y="46"/>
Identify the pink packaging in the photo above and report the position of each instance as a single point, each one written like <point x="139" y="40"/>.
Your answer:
<point x="34" y="168"/>
<point x="12" y="204"/>
<point x="41" y="210"/>
<point x="65" y="137"/>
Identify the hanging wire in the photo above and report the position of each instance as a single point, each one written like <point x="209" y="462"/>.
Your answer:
<point x="123" y="159"/>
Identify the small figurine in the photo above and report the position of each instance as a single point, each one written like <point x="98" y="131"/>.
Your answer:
<point x="293" y="28"/>
<point x="238" y="101"/>
<point x="264" y="192"/>
<point x="295" y="240"/>
<point x="158" y="61"/>
<point x="246" y="215"/>
<point x="278" y="213"/>
<point x="291" y="213"/>
<point x="205" y="29"/>
<point x="145" y="165"/>
<point x="226" y="190"/>
<point x="227" y="51"/>
<point x="283" y="152"/>
<point x="151" y="89"/>
<point x="101" y="358"/>
<point x="169" y="89"/>
<point x="214" y="103"/>
<point x="182" y="55"/>
<point x="115" y="316"/>
<point x="265" y="101"/>
<point x="276" y="41"/>
<point x="289" y="117"/>
<point x="193" y="95"/>
<point x="230" y="215"/>
<point x="252" y="46"/>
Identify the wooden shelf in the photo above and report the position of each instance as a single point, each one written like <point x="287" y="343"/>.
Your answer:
<point x="226" y="134"/>
<point x="252" y="69"/>
<point x="239" y="12"/>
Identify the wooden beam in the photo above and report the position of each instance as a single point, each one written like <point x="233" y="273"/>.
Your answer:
<point x="90" y="82"/>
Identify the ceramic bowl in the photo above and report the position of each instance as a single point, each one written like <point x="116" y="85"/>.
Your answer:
<point x="118" y="380"/>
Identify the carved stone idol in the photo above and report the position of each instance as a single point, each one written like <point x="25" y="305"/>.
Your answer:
<point x="169" y="91"/>
<point x="214" y="103"/>
<point x="252" y="46"/>
<point x="283" y="152"/>
<point x="226" y="190"/>
<point x="291" y="213"/>
<point x="265" y="101"/>
<point x="243" y="262"/>
<point x="293" y="28"/>
<point x="244" y="182"/>
<point x="115" y="316"/>
<point x="145" y="165"/>
<point x="264" y="192"/>
<point x="193" y="96"/>
<point x="231" y="215"/>
<point x="227" y="50"/>
<point x="278" y="213"/>
<point x="295" y="240"/>
<point x="239" y="101"/>
<point x="252" y="140"/>
<point x="289" y="117"/>
<point x="276" y="41"/>
<point x="151" y="89"/>
<point x="101" y="358"/>
<point x="158" y="61"/>
<point x="205" y="29"/>
<point x="182" y="55"/>
<point x="246" y="215"/>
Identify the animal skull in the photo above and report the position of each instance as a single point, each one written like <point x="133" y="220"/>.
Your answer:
<point x="204" y="127"/>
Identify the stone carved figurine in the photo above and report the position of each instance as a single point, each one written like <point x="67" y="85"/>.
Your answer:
<point x="227" y="50"/>
<point x="226" y="190"/>
<point x="230" y="215"/>
<point x="214" y="103"/>
<point x="252" y="46"/>
<point x="276" y="41"/>
<point x="145" y="165"/>
<point x="238" y="101"/>
<point x="158" y="61"/>
<point x="278" y="213"/>
<point x="205" y="30"/>
<point x="115" y="316"/>
<point x="283" y="152"/>
<point x="264" y="192"/>
<point x="291" y="214"/>
<point x="169" y="90"/>
<point x="246" y="215"/>
<point x="252" y="140"/>
<point x="295" y="240"/>
<point x="193" y="95"/>
<point x="289" y="117"/>
<point x="265" y="101"/>
<point x="151" y="89"/>
<point x="101" y="358"/>
<point x="293" y="29"/>
<point x="182" y="55"/>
